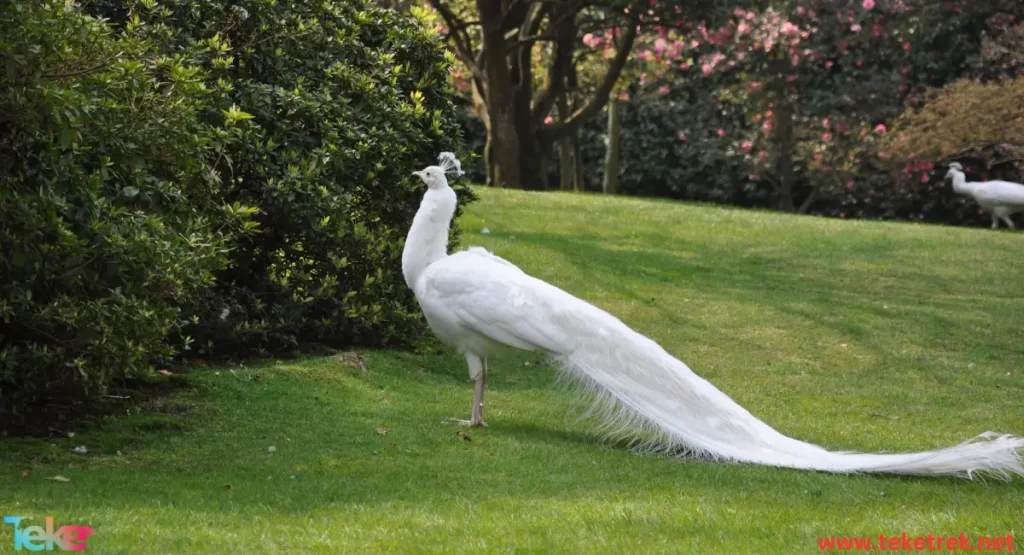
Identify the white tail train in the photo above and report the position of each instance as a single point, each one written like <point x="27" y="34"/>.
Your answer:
<point x="483" y="304"/>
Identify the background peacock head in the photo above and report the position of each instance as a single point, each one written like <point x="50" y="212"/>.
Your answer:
<point x="954" y="168"/>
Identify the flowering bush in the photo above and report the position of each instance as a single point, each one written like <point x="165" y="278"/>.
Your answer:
<point x="792" y="106"/>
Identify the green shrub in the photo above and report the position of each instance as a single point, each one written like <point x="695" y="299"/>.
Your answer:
<point x="347" y="99"/>
<point x="106" y="209"/>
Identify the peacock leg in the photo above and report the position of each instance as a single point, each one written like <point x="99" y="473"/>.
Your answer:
<point x="1009" y="222"/>
<point x="477" y="373"/>
<point x="995" y="221"/>
<point x="479" y="387"/>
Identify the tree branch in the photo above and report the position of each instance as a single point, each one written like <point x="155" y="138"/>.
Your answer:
<point x="558" y="66"/>
<point x="460" y="39"/>
<point x="808" y="201"/>
<point x="1008" y="161"/>
<point x="516" y="13"/>
<point x="530" y="40"/>
<point x="603" y="92"/>
<point x="73" y="73"/>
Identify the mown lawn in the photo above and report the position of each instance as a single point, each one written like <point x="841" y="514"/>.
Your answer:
<point x="853" y="335"/>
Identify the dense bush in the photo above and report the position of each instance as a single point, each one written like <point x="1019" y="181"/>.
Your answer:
<point x="346" y="99"/>
<point x="107" y="220"/>
<point x="230" y="179"/>
<point x="670" y="148"/>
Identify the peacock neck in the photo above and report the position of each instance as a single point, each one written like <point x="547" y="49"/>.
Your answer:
<point x="427" y="241"/>
<point x="960" y="185"/>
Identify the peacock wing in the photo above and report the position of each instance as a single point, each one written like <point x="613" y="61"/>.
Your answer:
<point x="494" y="298"/>
<point x="1006" y="192"/>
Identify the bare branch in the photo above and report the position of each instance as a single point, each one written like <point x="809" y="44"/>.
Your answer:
<point x="457" y="35"/>
<point x="603" y="92"/>
<point x="1009" y="161"/>
<point x="808" y="201"/>
<point x="530" y="40"/>
<point x="75" y="72"/>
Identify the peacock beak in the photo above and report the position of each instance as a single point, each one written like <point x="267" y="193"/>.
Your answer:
<point x="418" y="174"/>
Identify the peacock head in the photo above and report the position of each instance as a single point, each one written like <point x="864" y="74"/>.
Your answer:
<point x="434" y="176"/>
<point x="954" y="168"/>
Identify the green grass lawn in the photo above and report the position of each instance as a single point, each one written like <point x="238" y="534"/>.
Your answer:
<point x="853" y="335"/>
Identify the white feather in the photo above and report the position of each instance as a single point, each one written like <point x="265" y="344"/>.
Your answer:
<point x="483" y="305"/>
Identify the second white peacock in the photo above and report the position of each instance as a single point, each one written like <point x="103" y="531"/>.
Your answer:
<point x="482" y="305"/>
<point x="1001" y="199"/>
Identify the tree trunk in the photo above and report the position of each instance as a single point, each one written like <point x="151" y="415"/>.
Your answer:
<point x="502" y="134"/>
<point x="785" y="144"/>
<point x="480" y="109"/>
<point x="519" y="145"/>
<point x="565" y="150"/>
<point x="565" y="164"/>
<point x="611" y="159"/>
<point x="578" y="183"/>
<point x="809" y="201"/>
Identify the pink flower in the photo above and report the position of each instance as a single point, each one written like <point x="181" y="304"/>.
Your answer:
<point x="762" y="155"/>
<point x="828" y="64"/>
<point x="818" y="156"/>
<point x="868" y="4"/>
<point x="682" y="137"/>
<point x="826" y="137"/>
<point x="663" y="89"/>
<point x="880" y="128"/>
<point x="849" y="185"/>
<point x="721" y="132"/>
<point x="707" y="69"/>
<point x="801" y="10"/>
<point x="747" y="146"/>
<point x="826" y="123"/>
<point x="925" y="178"/>
<point x="855" y="28"/>
<point x="548" y="120"/>
<point x="906" y="46"/>
<point x="877" y="29"/>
